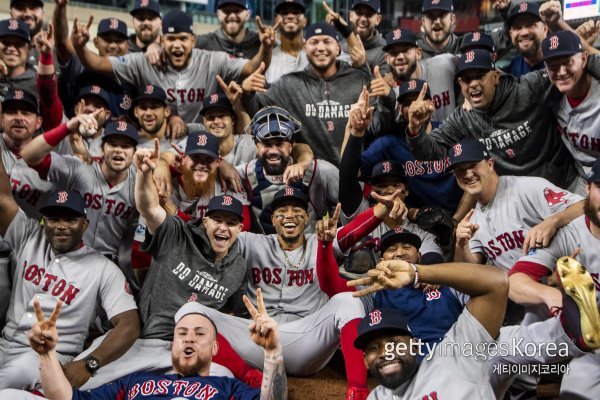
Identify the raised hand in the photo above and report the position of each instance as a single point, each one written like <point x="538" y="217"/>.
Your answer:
<point x="332" y="16"/>
<point x="500" y="5"/>
<point x="551" y="12"/>
<point x="266" y="34"/>
<point x="263" y="329"/>
<point x="540" y="235"/>
<point x="145" y="159"/>
<point x="361" y="114"/>
<point x="465" y="230"/>
<point x="419" y="111"/>
<point x="43" y="335"/>
<point x="326" y="228"/>
<point x="397" y="210"/>
<point x="44" y="40"/>
<point x="233" y="91"/>
<point x="176" y="128"/>
<point x="379" y="85"/>
<point x="589" y="31"/>
<point x="86" y="124"/>
<point x="256" y="81"/>
<point x="392" y="274"/>
<point x="80" y="34"/>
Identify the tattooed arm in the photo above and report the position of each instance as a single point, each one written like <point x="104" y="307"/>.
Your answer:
<point x="264" y="332"/>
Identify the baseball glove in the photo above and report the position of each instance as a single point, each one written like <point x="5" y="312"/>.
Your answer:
<point x="437" y="221"/>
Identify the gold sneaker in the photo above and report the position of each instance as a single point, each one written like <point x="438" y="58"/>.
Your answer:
<point x="578" y="285"/>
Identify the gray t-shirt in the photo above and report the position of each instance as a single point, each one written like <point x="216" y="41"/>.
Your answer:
<point x="243" y="151"/>
<point x="284" y="63"/>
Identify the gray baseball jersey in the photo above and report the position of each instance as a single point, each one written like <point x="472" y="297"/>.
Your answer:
<point x="288" y="279"/>
<point x="320" y="183"/>
<point x="243" y="151"/>
<point x="580" y="128"/>
<point x="185" y="88"/>
<point x="110" y="210"/>
<point x="27" y="186"/>
<point x="520" y="203"/>
<point x="83" y="279"/>
<point x="93" y="145"/>
<point x="450" y="373"/>
<point x="283" y="63"/>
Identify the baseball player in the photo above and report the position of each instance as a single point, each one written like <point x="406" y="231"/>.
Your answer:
<point x="448" y="375"/>
<point x="273" y="130"/>
<point x="521" y="139"/>
<point x="513" y="213"/>
<point x="107" y="187"/>
<point x="185" y="86"/>
<point x="51" y="264"/>
<point x="91" y="100"/>
<point x="194" y="345"/>
<point x="16" y="42"/>
<point x="576" y="116"/>
<point x="146" y="19"/>
<point x="152" y="115"/>
<point x="438" y="21"/>
<point x="32" y="13"/>
<point x="477" y="40"/>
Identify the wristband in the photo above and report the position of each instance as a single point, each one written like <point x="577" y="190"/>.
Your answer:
<point x="54" y="136"/>
<point x="416" y="282"/>
<point x="46" y="59"/>
<point x="345" y="30"/>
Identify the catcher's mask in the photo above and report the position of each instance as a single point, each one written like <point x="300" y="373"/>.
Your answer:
<point x="273" y="123"/>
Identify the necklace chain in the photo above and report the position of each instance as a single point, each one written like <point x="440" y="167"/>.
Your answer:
<point x="287" y="260"/>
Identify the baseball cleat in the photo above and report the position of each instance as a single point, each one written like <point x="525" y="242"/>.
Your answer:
<point x="580" y="287"/>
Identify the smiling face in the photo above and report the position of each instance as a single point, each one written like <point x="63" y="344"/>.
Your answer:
<point x="291" y="20"/>
<point x="289" y="220"/>
<point x="566" y="72"/>
<point x="476" y="178"/>
<point x="111" y="44"/>
<point x="118" y="153"/>
<point x="322" y="51"/>
<point x="438" y="26"/>
<point x="178" y="48"/>
<point x="151" y="115"/>
<point x="233" y="17"/>
<point x="396" y="369"/>
<point x="401" y="251"/>
<point x="526" y="34"/>
<point x="403" y="60"/>
<point x="64" y="230"/>
<point x="30" y="13"/>
<point x="222" y="229"/>
<point x="219" y="122"/>
<point x="274" y="155"/>
<point x="479" y="87"/>
<point x="194" y="345"/>
<point x="147" y="26"/>
<point x="364" y="21"/>
<point x="13" y="52"/>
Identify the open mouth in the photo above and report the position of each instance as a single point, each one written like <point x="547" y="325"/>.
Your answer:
<point x="476" y="95"/>
<point x="220" y="238"/>
<point x="389" y="368"/>
<point x="188" y="352"/>
<point x="118" y="159"/>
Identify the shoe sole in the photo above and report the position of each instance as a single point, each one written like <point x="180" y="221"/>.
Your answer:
<point x="578" y="285"/>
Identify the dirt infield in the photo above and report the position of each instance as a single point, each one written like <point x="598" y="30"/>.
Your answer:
<point x="326" y="385"/>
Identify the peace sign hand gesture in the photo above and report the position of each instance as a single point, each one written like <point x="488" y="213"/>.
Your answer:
<point x="43" y="335"/>
<point x="327" y="227"/>
<point x="263" y="329"/>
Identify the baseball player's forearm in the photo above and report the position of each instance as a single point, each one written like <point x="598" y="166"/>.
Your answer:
<point x="64" y="47"/>
<point x="467" y="202"/>
<point x="147" y="201"/>
<point x="35" y="151"/>
<point x="302" y="153"/>
<point x="525" y="290"/>
<point x="54" y="382"/>
<point x="264" y="55"/>
<point x="8" y="206"/>
<point x="350" y="192"/>
<point x="464" y="254"/>
<point x="126" y="330"/>
<point x="274" y="383"/>
<point x="94" y="62"/>
<point x="567" y="215"/>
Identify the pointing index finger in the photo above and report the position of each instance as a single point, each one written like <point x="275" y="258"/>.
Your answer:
<point x="222" y="83"/>
<point x="259" y="24"/>
<point x="423" y="92"/>
<point x="336" y="213"/>
<point x="38" y="311"/>
<point x="469" y="215"/>
<point x="250" y="307"/>
<point x="89" y="24"/>
<point x="262" y="310"/>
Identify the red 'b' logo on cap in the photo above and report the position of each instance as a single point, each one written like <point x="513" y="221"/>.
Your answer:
<point x="435" y="1"/>
<point x="19" y="95"/>
<point x="457" y="150"/>
<point x="62" y="197"/>
<point x="375" y="317"/>
<point x="227" y="200"/>
<point x="412" y="85"/>
<point x="289" y="191"/>
<point x="554" y="43"/>
<point x="13" y="24"/>
<point x="144" y="3"/>
<point x="476" y="36"/>
<point x="202" y="140"/>
<point x="399" y="230"/>
<point x="387" y="166"/>
<point x="397" y="34"/>
<point x="523" y="7"/>
<point x="149" y="89"/>
<point x="95" y="89"/>
<point x="470" y="56"/>
<point x="122" y="126"/>
<point x="214" y="98"/>
<point x="114" y="23"/>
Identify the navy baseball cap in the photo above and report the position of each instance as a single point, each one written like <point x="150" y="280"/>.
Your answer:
<point x="120" y="128"/>
<point x="273" y="122"/>
<point x="412" y="86"/>
<point x="289" y="193"/>
<point x="443" y="5"/>
<point x="226" y="203"/>
<point x="475" y="59"/>
<point x="524" y="8"/>
<point x="96" y="91"/>
<point x="400" y="36"/>
<point x="112" y="25"/>
<point x="202" y="142"/>
<point x="467" y="150"/>
<point x="375" y="5"/>
<point x="399" y="235"/>
<point x="298" y="4"/>
<point x="17" y="3"/>
<point x="379" y="322"/>
<point x="14" y="27"/>
<point x="477" y="40"/>
<point x="594" y="175"/>
<point x="320" y="28"/>
<point x="561" y="44"/>
<point x="151" y="92"/>
<point x="241" y="3"/>
<point x="216" y="100"/>
<point x="177" y="21"/>
<point x="387" y="168"/>
<point x="61" y="201"/>
<point x="20" y="97"/>
<point x="145" y="5"/>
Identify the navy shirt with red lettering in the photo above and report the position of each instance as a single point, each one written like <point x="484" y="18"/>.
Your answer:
<point x="144" y="385"/>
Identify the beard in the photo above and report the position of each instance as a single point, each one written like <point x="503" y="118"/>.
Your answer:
<point x="591" y="213"/>
<point x="198" y="189"/>
<point x="277" y="169"/>
<point x="407" y="370"/>
<point x="188" y="369"/>
<point x="531" y="51"/>
<point x="404" y="76"/>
